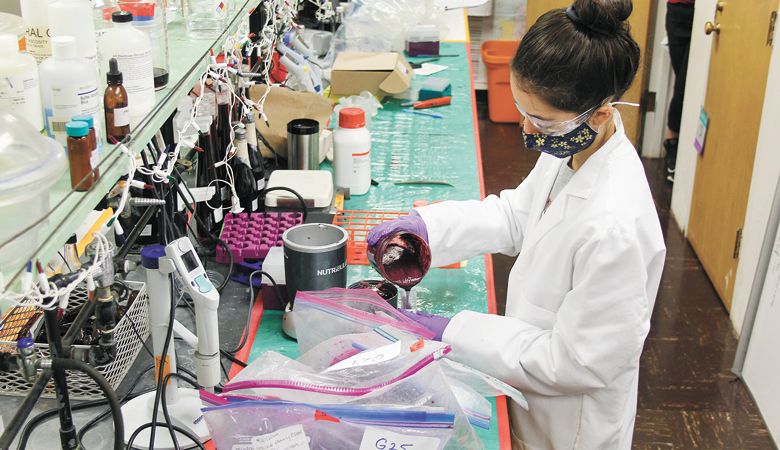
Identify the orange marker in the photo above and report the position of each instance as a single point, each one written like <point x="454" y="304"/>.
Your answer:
<point x="441" y="101"/>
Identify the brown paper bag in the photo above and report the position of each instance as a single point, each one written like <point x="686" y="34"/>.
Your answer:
<point x="284" y="105"/>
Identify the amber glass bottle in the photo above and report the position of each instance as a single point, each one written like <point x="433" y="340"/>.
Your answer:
<point x="115" y="105"/>
<point x="95" y="158"/>
<point x="79" y="154"/>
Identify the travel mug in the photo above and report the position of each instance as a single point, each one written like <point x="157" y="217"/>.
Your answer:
<point x="303" y="144"/>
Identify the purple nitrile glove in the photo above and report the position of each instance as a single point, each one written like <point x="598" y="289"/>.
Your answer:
<point x="412" y="223"/>
<point x="437" y="324"/>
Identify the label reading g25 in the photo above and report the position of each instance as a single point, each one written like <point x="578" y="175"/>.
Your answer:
<point x="378" y="439"/>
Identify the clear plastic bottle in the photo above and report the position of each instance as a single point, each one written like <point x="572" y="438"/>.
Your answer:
<point x="101" y="19"/>
<point x="74" y="18"/>
<point x="352" y="152"/>
<point x="151" y="20"/>
<point x="206" y="18"/>
<point x="19" y="88"/>
<point x="133" y="51"/>
<point x="68" y="87"/>
<point x="36" y="20"/>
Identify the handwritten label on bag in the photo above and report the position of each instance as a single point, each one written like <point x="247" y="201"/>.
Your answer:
<point x="290" y="438"/>
<point x="368" y="357"/>
<point x="378" y="439"/>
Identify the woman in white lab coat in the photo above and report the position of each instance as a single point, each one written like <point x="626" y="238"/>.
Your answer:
<point x="584" y="225"/>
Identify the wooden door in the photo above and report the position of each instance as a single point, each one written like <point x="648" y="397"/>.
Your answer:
<point x="640" y="25"/>
<point x="739" y="64"/>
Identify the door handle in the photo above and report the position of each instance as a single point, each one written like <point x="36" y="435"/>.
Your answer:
<point x="710" y="28"/>
<point x="719" y="7"/>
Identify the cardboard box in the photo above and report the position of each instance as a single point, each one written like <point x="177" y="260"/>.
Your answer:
<point x="378" y="73"/>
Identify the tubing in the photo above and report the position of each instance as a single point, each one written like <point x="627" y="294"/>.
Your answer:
<point x="108" y="391"/>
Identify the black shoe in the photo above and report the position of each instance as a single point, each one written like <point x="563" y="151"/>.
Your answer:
<point x="671" y="157"/>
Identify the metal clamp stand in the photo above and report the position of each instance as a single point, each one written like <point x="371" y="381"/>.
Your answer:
<point x="57" y="344"/>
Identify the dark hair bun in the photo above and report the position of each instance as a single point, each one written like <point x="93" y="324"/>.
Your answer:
<point x="607" y="15"/>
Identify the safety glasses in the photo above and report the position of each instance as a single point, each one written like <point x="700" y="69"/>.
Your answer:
<point x="558" y="128"/>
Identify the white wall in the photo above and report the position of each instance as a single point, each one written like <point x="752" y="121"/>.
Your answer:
<point x="766" y="171"/>
<point x="695" y="91"/>
<point x="659" y="82"/>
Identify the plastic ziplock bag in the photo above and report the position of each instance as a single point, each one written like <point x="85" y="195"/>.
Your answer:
<point x="469" y="385"/>
<point x="322" y="315"/>
<point x="402" y="374"/>
<point x="274" y="424"/>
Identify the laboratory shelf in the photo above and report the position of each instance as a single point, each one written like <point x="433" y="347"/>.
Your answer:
<point x="189" y="58"/>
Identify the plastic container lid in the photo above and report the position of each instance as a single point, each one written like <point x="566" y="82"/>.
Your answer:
<point x="64" y="47"/>
<point x="423" y="33"/>
<point x="9" y="44"/>
<point x="303" y="126"/>
<point x="29" y="162"/>
<point x="121" y="17"/>
<point x="151" y="254"/>
<point x="85" y="118"/>
<point x="77" y="129"/>
<point x="352" y="118"/>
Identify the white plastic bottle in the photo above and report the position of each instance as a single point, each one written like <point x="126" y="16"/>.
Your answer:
<point x="133" y="52"/>
<point x="36" y="21"/>
<point x="352" y="152"/>
<point x="19" y="90"/>
<point x="69" y="87"/>
<point x="74" y="18"/>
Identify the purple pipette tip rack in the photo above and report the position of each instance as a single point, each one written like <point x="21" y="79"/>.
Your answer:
<point x="251" y="235"/>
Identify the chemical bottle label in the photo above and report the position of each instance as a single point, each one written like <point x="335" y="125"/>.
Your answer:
<point x="69" y="101"/>
<point x="37" y="41"/>
<point x="121" y="116"/>
<point x="19" y="94"/>
<point x="94" y="158"/>
<point x="138" y="73"/>
<point x="361" y="161"/>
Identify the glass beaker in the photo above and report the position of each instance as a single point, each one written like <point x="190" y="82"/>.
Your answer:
<point x="206" y="18"/>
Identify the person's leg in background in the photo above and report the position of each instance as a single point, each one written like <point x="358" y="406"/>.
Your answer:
<point x="679" y="20"/>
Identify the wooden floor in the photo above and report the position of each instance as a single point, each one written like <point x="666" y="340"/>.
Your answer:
<point x="688" y="398"/>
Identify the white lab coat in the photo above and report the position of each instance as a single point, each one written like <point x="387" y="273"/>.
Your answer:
<point x="579" y="298"/>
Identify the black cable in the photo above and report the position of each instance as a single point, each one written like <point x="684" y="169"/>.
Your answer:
<point x="224" y="369"/>
<point x="108" y="391"/>
<point x="245" y="336"/>
<point x="65" y="261"/>
<point x="186" y="433"/>
<point x="138" y="335"/>
<point x="232" y="358"/>
<point x="99" y="418"/>
<point x="166" y="414"/>
<point x="262" y="194"/>
<point x="219" y="241"/>
<point x="45" y="415"/>
<point x="50" y="413"/>
<point x="125" y="290"/>
<point x="161" y="371"/>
